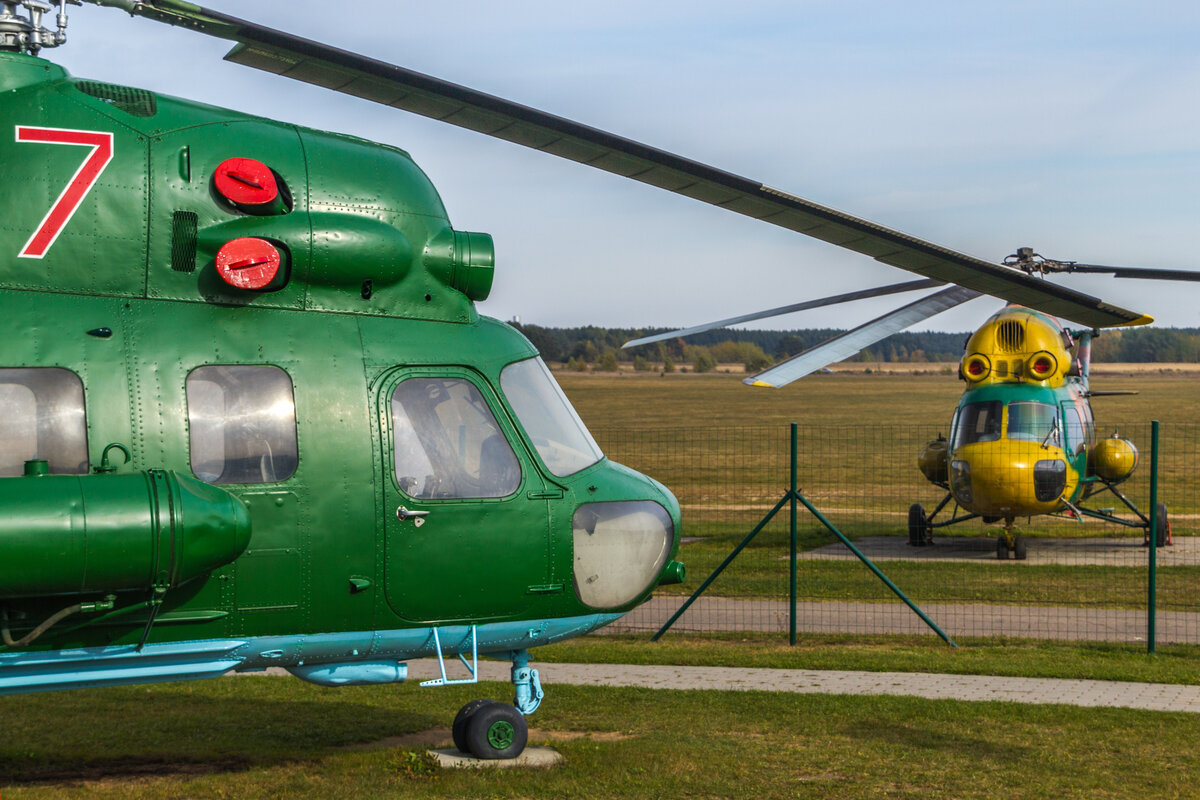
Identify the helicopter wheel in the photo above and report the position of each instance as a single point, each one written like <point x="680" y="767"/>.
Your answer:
<point x="1002" y="548"/>
<point x="496" y="730"/>
<point x="1163" y="526"/>
<point x="462" y="719"/>
<point x="1019" y="551"/>
<point x="919" y="531"/>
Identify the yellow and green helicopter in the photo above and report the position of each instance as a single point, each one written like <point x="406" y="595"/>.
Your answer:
<point x="252" y="416"/>
<point x="1023" y="440"/>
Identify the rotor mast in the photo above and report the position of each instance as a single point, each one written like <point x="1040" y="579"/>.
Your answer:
<point x="23" y="32"/>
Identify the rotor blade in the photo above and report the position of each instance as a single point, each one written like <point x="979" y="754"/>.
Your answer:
<point x="358" y="75"/>
<point x="842" y="347"/>
<point x="850" y="297"/>
<point x="1147" y="273"/>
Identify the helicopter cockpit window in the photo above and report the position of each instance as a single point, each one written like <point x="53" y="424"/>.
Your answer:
<point x="447" y="443"/>
<point x="242" y="424"/>
<point x="1034" y="422"/>
<point x="561" y="439"/>
<point x="978" y="422"/>
<point x="43" y="419"/>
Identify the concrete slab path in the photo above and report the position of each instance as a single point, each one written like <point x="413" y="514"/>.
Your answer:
<point x="1087" y="693"/>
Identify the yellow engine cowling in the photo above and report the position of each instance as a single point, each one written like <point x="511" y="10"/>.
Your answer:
<point x="1017" y="345"/>
<point x="934" y="461"/>
<point x="1113" y="459"/>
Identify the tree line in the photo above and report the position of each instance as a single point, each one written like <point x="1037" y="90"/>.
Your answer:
<point x="597" y="347"/>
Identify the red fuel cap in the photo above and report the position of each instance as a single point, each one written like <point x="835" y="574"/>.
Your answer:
<point x="246" y="182"/>
<point x="248" y="263"/>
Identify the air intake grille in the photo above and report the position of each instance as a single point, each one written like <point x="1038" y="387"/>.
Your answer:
<point x="183" y="241"/>
<point x="137" y="102"/>
<point x="1010" y="337"/>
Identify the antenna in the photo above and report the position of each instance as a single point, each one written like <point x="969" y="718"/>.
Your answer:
<point x="25" y="34"/>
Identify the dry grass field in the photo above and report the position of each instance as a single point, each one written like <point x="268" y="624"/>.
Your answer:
<point x="722" y="448"/>
<point x="900" y="394"/>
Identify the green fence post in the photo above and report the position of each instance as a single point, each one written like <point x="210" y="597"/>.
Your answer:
<point x="1152" y="600"/>
<point x="792" y="593"/>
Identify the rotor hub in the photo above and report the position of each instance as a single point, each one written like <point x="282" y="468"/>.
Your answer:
<point x="24" y="33"/>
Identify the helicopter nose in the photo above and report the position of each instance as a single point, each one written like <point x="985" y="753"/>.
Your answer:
<point x="1009" y="479"/>
<point x="620" y="549"/>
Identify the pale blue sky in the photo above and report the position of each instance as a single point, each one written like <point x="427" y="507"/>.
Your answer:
<point x="1072" y="127"/>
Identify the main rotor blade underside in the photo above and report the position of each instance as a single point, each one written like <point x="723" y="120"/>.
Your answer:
<point x="312" y="62"/>
<point x="842" y="347"/>
<point x="836" y="299"/>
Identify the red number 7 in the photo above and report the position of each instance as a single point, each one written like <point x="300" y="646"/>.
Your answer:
<point x="60" y="213"/>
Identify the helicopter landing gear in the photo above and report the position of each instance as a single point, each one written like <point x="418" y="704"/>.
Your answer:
<point x="1162" y="529"/>
<point x="920" y="532"/>
<point x="1011" y="542"/>
<point x="490" y="729"/>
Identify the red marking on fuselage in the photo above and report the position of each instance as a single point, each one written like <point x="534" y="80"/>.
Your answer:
<point x="68" y="202"/>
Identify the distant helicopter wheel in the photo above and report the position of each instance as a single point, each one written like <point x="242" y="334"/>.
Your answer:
<point x="1019" y="551"/>
<point x="462" y="719"/>
<point x="1162" y="526"/>
<point x="496" y="730"/>
<point x="1002" y="548"/>
<point x="919" y="532"/>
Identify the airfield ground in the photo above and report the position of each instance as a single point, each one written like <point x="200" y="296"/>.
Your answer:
<point x="268" y="738"/>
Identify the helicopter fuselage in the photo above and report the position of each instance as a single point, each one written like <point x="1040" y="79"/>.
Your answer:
<point x="253" y="418"/>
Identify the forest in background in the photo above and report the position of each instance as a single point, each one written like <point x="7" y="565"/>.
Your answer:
<point x="592" y="347"/>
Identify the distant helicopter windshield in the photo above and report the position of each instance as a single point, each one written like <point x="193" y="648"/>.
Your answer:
<point x="978" y="422"/>
<point x="1033" y="422"/>
<point x="561" y="439"/>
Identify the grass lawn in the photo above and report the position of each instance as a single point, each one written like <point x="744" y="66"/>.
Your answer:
<point x="280" y="738"/>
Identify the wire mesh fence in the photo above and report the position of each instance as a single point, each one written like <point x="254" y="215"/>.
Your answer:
<point x="1081" y="577"/>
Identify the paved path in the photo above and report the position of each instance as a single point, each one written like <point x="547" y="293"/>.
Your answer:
<point x="956" y="619"/>
<point x="1120" y="694"/>
<point x="1124" y="551"/>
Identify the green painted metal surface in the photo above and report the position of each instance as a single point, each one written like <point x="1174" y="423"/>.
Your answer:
<point x="375" y="287"/>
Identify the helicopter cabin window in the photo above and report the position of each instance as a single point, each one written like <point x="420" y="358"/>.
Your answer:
<point x="561" y="439"/>
<point x="447" y="443"/>
<point x="242" y="424"/>
<point x="43" y="418"/>
<point x="978" y="422"/>
<point x="1034" y="422"/>
<point x="1076" y="434"/>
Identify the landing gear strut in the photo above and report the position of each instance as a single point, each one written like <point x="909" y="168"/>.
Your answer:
<point x="1011" y="542"/>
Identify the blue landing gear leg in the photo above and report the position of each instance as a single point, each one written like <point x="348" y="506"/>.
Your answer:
<point x="529" y="686"/>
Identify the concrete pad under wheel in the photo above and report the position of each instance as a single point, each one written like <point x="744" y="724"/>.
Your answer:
<point x="532" y="757"/>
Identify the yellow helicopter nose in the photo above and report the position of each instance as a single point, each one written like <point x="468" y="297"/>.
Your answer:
<point x="1006" y="478"/>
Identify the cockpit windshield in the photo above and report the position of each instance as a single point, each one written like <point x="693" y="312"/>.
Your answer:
<point x="1033" y="422"/>
<point x="562" y="441"/>
<point x="1027" y="421"/>
<point x="978" y="422"/>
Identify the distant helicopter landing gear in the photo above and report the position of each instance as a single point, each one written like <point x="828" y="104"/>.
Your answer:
<point x="1011" y="542"/>
<point x="1162" y="529"/>
<point x="490" y="729"/>
<point x="920" y="531"/>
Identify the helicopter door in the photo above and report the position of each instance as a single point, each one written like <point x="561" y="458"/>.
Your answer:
<point x="465" y="519"/>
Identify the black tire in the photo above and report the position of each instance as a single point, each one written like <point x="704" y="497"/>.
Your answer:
<point x="918" y="525"/>
<point x="1019" y="549"/>
<point x="462" y="719"/>
<point x="1002" y="548"/>
<point x="497" y="730"/>
<point x="1163" y="526"/>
